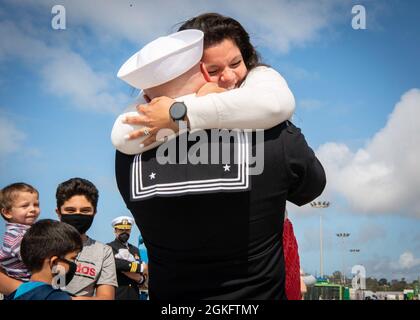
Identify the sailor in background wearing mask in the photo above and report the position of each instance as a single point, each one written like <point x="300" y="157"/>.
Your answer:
<point x="130" y="269"/>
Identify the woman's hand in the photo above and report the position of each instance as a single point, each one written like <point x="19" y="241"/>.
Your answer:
<point x="209" y="87"/>
<point x="155" y="117"/>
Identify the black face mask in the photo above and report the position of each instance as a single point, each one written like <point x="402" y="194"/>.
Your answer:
<point x="123" y="237"/>
<point x="81" y="222"/>
<point x="72" y="270"/>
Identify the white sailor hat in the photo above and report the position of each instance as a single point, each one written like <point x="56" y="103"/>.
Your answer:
<point x="163" y="59"/>
<point x="123" y="223"/>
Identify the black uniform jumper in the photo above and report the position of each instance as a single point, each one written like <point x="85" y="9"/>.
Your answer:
<point x="215" y="232"/>
<point x="128" y="289"/>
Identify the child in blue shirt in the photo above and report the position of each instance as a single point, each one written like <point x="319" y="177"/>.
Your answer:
<point x="48" y="249"/>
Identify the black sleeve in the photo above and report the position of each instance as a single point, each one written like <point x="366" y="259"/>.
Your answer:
<point x="307" y="176"/>
<point x="124" y="265"/>
<point x="58" y="295"/>
<point x="127" y="266"/>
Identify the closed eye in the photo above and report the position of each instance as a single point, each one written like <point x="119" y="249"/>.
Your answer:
<point x="236" y="64"/>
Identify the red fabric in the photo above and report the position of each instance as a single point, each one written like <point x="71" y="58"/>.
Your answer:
<point x="292" y="263"/>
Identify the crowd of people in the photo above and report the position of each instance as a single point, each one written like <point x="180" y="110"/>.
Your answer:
<point x="55" y="259"/>
<point x="213" y="229"/>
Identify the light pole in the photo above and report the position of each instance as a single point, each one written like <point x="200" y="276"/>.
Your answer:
<point x="342" y="236"/>
<point x="320" y="205"/>
<point x="354" y="251"/>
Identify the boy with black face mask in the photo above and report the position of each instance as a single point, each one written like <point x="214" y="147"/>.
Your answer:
<point x="95" y="277"/>
<point x="131" y="272"/>
<point x="48" y="250"/>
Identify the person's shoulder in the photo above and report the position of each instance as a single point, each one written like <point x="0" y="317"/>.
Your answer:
<point x="57" y="294"/>
<point x="133" y="247"/>
<point x="93" y="245"/>
<point x="263" y="70"/>
<point x="263" y="74"/>
<point x="96" y="243"/>
<point x="260" y="68"/>
<point x="97" y="247"/>
<point x="294" y="141"/>
<point x="111" y="243"/>
<point x="10" y="296"/>
<point x="105" y="248"/>
<point x="285" y="133"/>
<point x="290" y="132"/>
<point x="291" y="128"/>
<point x="16" y="229"/>
<point x="36" y="291"/>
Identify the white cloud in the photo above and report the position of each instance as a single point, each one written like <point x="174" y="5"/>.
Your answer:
<point x="63" y="72"/>
<point x="282" y="25"/>
<point x="407" y="260"/>
<point x="277" y="24"/>
<point x="69" y="75"/>
<point x="406" y="266"/>
<point x="384" y="176"/>
<point x="11" y="138"/>
<point x="370" y="232"/>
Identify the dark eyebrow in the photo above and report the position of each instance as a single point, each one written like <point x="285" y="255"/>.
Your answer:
<point x="212" y="66"/>
<point x="238" y="57"/>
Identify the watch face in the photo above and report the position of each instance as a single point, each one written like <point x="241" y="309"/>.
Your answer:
<point x="178" y="111"/>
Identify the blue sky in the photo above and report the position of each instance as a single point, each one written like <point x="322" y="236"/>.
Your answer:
<point x="357" y="93"/>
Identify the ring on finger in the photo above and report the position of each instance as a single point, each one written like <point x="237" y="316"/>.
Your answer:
<point x="146" y="132"/>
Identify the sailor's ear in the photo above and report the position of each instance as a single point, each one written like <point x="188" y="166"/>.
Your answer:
<point x="204" y="72"/>
<point x="146" y="97"/>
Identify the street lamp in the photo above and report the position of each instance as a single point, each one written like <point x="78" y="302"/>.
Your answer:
<point x="320" y="205"/>
<point x="342" y="236"/>
<point x="354" y="250"/>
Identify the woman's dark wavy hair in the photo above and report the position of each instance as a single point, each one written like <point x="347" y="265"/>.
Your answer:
<point x="217" y="28"/>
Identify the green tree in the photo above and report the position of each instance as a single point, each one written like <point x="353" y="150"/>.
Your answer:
<point x="398" y="285"/>
<point x="336" y="277"/>
<point x="383" y="282"/>
<point x="372" y="284"/>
